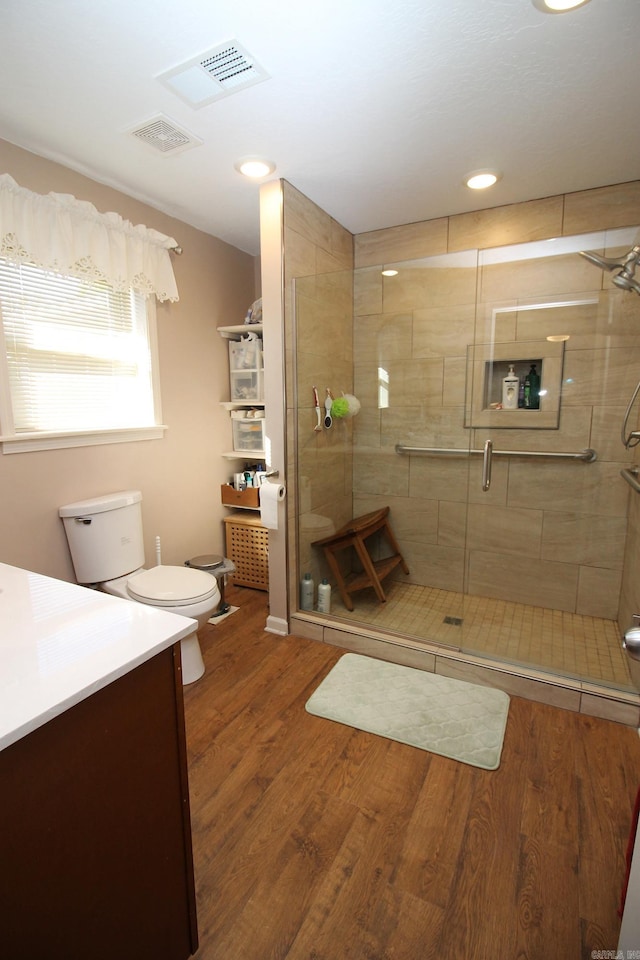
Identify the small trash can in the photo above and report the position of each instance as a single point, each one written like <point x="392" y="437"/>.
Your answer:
<point x="218" y="567"/>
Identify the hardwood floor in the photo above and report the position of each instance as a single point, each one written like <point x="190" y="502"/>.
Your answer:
<point x="314" y="841"/>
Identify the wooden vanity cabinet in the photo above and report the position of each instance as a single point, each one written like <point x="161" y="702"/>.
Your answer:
<point x="95" y="836"/>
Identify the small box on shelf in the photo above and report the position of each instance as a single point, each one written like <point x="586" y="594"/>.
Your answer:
<point x="249" y="498"/>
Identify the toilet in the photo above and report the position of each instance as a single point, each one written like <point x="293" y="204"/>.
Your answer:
<point x="107" y="550"/>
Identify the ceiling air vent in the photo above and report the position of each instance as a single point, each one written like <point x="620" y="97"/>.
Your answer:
<point x="165" y="136"/>
<point x="217" y="73"/>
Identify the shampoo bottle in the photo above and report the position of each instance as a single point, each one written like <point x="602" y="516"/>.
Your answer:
<point x="306" y="592"/>
<point x="324" y="596"/>
<point x="510" y="386"/>
<point x="534" y="388"/>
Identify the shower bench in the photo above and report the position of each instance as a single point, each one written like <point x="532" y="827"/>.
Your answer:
<point x="354" y="535"/>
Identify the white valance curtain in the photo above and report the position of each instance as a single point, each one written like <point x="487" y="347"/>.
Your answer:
<point x="61" y="234"/>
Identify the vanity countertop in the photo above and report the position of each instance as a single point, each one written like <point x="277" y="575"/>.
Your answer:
<point x="60" y="643"/>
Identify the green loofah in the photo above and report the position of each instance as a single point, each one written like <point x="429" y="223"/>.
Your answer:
<point x="339" y="408"/>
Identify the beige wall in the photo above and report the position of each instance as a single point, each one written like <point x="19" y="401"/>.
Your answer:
<point x="180" y="475"/>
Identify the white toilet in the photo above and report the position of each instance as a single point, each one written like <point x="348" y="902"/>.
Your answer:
<point x="107" y="549"/>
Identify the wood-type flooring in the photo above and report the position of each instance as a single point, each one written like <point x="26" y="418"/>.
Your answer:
<point x="315" y="841"/>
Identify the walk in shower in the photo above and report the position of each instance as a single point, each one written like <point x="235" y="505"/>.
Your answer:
<point x="512" y="517"/>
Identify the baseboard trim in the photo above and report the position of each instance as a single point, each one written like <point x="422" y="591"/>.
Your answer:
<point x="277" y="625"/>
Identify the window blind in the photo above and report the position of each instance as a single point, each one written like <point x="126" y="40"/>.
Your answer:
<point x="77" y="353"/>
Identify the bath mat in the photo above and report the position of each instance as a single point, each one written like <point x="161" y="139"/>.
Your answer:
<point x="452" y="718"/>
<point x="223" y="616"/>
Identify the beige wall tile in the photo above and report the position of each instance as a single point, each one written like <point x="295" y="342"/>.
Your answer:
<point x="309" y="221"/>
<point x="424" y="426"/>
<point x="408" y="654"/>
<point x="572" y="436"/>
<point x="598" y="592"/>
<point x="584" y="539"/>
<point x="379" y="338"/>
<point x="608" y="709"/>
<point x="504" y="530"/>
<point x="307" y="629"/>
<point x="441" y="282"/>
<point x="496" y="495"/>
<point x="414" y="382"/>
<point x="454" y="383"/>
<point x="593" y="377"/>
<point x="515" y="223"/>
<point x="439" y="566"/>
<point x="409" y="241"/>
<point x="452" y="524"/>
<point x="438" y="478"/>
<point x="543" y="692"/>
<point x="380" y="472"/>
<point x="523" y="579"/>
<point x="301" y="256"/>
<point x="413" y="519"/>
<point x="605" y="432"/>
<point x="443" y="331"/>
<point x="561" y="486"/>
<point x="602" y="208"/>
<point x="536" y="278"/>
<point x="366" y="429"/>
<point x="583" y="321"/>
<point x="367" y="291"/>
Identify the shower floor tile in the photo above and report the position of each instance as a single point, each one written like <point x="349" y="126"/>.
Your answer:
<point x="567" y="644"/>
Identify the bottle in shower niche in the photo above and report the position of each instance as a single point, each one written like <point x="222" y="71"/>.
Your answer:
<point x="324" y="596"/>
<point x="306" y="592"/>
<point x="534" y="388"/>
<point x="510" y="386"/>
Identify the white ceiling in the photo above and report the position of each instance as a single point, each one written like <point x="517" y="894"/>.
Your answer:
<point x="375" y="110"/>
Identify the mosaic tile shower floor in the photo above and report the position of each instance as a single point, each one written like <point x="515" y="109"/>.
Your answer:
<point x="566" y="644"/>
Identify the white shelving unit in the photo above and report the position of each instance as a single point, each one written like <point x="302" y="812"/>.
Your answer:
<point x="245" y="376"/>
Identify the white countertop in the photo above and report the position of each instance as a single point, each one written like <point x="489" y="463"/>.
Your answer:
<point x="59" y="643"/>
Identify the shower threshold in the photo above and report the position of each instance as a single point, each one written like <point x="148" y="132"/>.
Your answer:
<point x="567" y="660"/>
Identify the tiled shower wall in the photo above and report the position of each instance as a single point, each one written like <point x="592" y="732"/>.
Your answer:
<point x="547" y="533"/>
<point x="318" y="264"/>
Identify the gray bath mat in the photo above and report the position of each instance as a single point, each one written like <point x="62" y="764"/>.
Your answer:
<point x="452" y="718"/>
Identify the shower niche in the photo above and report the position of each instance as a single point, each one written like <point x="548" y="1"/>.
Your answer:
<point x="487" y="366"/>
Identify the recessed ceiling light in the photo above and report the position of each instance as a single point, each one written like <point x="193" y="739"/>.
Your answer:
<point x="481" y="179"/>
<point x="557" y="6"/>
<point x="389" y="273"/>
<point x="254" y="167"/>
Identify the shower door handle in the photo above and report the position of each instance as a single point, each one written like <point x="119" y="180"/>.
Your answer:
<point x="486" y="465"/>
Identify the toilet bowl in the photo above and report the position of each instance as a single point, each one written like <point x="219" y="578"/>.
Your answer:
<point x="167" y="588"/>
<point x="106" y="546"/>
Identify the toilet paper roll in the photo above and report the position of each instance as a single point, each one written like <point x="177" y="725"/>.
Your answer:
<point x="270" y="496"/>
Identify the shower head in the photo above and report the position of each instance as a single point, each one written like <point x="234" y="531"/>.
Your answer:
<point x="626" y="283"/>
<point x="627" y="267"/>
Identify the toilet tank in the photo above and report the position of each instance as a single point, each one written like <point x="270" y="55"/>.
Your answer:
<point x="105" y="535"/>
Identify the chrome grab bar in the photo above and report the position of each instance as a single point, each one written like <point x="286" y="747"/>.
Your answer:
<point x="630" y="474"/>
<point x="588" y="455"/>
<point x="486" y="465"/>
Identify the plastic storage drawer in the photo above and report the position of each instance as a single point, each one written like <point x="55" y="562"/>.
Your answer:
<point x="248" y="435"/>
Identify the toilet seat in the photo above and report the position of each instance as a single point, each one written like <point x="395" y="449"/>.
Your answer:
<point x="167" y="586"/>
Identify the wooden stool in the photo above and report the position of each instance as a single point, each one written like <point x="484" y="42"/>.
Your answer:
<point x="354" y="534"/>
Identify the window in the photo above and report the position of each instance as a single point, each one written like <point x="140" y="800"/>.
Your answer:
<point x="79" y="358"/>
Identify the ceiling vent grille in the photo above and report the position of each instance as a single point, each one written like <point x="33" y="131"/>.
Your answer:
<point x="217" y="73"/>
<point x="165" y="136"/>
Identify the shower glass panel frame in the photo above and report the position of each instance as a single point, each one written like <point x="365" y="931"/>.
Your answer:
<point x="548" y="534"/>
